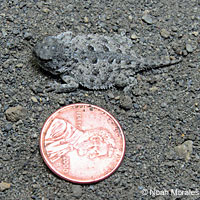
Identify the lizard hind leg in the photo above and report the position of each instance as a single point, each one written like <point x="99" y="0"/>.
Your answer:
<point x="124" y="78"/>
<point x="132" y="82"/>
<point x="69" y="85"/>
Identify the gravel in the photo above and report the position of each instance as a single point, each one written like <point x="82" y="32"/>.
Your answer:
<point x="158" y="114"/>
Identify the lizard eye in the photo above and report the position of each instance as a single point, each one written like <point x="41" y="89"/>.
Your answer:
<point x="90" y="48"/>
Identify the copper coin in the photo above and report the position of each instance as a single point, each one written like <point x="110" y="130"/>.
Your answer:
<point x="82" y="143"/>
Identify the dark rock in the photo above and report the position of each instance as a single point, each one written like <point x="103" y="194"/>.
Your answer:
<point x="126" y="102"/>
<point x="8" y="127"/>
<point x="121" y="81"/>
<point x="136" y="106"/>
<point x="77" y="191"/>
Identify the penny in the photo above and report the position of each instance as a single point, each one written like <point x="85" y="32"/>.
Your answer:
<point x="82" y="143"/>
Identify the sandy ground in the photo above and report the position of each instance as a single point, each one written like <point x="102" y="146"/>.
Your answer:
<point x="160" y="113"/>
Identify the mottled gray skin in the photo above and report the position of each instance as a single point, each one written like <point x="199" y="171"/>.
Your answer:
<point x="93" y="61"/>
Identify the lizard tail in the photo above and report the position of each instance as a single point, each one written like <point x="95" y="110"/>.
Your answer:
<point x="147" y="64"/>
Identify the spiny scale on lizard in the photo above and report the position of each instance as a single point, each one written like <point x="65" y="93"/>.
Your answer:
<point x="93" y="61"/>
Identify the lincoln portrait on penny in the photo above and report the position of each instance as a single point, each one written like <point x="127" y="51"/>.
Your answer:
<point x="62" y="138"/>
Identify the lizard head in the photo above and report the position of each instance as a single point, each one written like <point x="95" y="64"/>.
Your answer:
<point x="51" y="55"/>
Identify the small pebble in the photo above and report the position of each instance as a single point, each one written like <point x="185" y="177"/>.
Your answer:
<point x="174" y="29"/>
<point x="185" y="150"/>
<point x="153" y="89"/>
<point x="34" y="99"/>
<point x="4" y="33"/>
<point x="28" y="36"/>
<point x="61" y="102"/>
<point x="145" y="107"/>
<point x="189" y="48"/>
<point x="15" y="113"/>
<point x="130" y="17"/>
<point x="91" y="187"/>
<point x="117" y="181"/>
<point x="19" y="65"/>
<point x="77" y="190"/>
<point x="8" y="127"/>
<point x="140" y="187"/>
<point x="111" y="95"/>
<point x="40" y="109"/>
<point x="147" y="18"/>
<point x="16" y="31"/>
<point x="185" y="53"/>
<point x="4" y="186"/>
<point x="45" y="10"/>
<point x="192" y="65"/>
<point x="136" y="106"/>
<point x="121" y="81"/>
<point x="174" y="98"/>
<point x="195" y="33"/>
<point x="163" y="105"/>
<point x="134" y="36"/>
<point x="126" y="102"/>
<point x="164" y="33"/>
<point x="34" y="136"/>
<point x="1" y="114"/>
<point x="117" y="97"/>
<point x="86" y="20"/>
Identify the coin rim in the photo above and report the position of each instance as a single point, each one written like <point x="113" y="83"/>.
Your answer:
<point x="76" y="180"/>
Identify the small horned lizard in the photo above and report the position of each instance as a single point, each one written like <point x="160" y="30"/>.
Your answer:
<point x="93" y="61"/>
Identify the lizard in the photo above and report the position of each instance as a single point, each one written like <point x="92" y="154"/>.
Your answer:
<point x="93" y="61"/>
